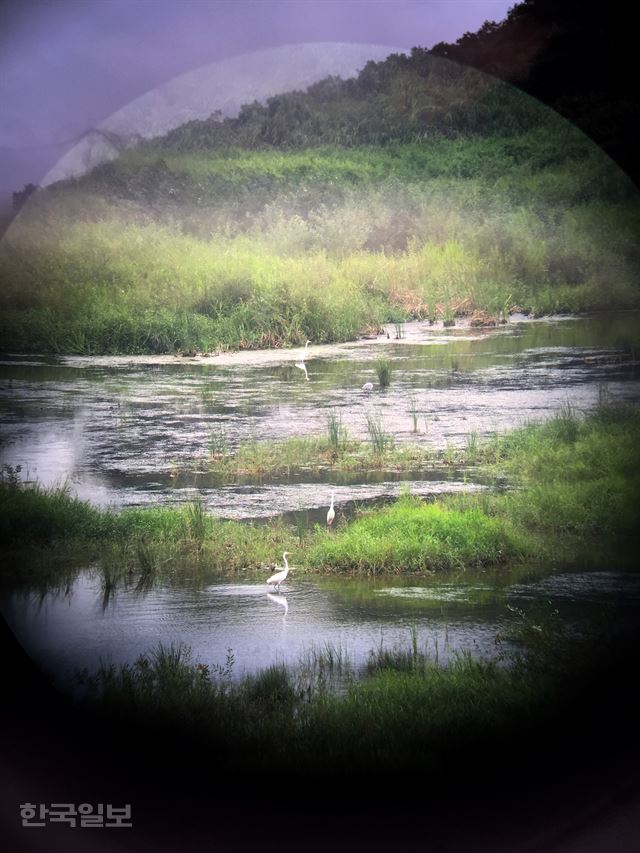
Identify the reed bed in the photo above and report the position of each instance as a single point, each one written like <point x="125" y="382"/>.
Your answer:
<point x="410" y="233"/>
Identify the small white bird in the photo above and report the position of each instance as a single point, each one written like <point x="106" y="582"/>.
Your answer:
<point x="277" y="579"/>
<point x="332" y="513"/>
<point x="368" y="386"/>
<point x="304" y="353"/>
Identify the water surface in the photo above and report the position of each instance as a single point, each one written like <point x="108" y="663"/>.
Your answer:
<point x="129" y="431"/>
<point x="72" y="629"/>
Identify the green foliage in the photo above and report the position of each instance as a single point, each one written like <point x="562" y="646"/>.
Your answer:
<point x="319" y="242"/>
<point x="423" y="716"/>
<point x="381" y="441"/>
<point x="33" y="515"/>
<point x="383" y="372"/>
<point x="196" y="522"/>
<point x="336" y="432"/>
<point x="411" y="536"/>
<point x="218" y="444"/>
<point x="409" y="98"/>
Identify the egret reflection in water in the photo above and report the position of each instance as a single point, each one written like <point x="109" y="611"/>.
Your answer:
<point x="302" y="366"/>
<point x="281" y="600"/>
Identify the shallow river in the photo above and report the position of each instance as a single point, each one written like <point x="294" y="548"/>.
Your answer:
<point x="122" y="430"/>
<point x="126" y="431"/>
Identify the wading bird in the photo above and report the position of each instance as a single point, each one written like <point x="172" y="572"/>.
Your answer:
<point x="300" y="364"/>
<point x="368" y="386"/>
<point x="277" y="579"/>
<point x="332" y="513"/>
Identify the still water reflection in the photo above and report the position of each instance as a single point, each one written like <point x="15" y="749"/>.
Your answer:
<point x="71" y="630"/>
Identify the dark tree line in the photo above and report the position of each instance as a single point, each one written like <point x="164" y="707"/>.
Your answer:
<point x="572" y="58"/>
<point x="577" y="58"/>
<point x="403" y="98"/>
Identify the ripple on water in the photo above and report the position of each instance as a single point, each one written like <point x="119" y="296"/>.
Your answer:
<point x="583" y="586"/>
<point x="235" y="590"/>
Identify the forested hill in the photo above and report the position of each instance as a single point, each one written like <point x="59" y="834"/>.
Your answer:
<point x="578" y="58"/>
<point x="403" y="98"/>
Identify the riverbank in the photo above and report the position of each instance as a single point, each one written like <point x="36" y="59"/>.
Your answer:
<point x="406" y="714"/>
<point x="268" y="249"/>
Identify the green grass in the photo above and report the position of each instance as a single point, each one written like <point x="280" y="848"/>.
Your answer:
<point x="381" y="441"/>
<point x="133" y="546"/>
<point x="336" y="433"/>
<point x="575" y="490"/>
<point x="243" y="721"/>
<point x="414" y="537"/>
<point x="575" y="486"/>
<point x="168" y="679"/>
<point x="402" y="712"/>
<point x="320" y="243"/>
<point x="383" y="372"/>
<point x="336" y="451"/>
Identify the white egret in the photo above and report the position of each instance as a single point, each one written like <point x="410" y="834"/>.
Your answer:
<point x="277" y="579"/>
<point x="304" y="353"/>
<point x="332" y="513"/>
<point x="368" y="386"/>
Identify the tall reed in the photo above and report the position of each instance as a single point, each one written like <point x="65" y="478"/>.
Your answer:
<point x="383" y="371"/>
<point x="380" y="440"/>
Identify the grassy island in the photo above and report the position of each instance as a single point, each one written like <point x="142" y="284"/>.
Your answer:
<point x="574" y="485"/>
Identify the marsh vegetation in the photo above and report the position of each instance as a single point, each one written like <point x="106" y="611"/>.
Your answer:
<point x="325" y="216"/>
<point x="265" y="230"/>
<point x="573" y="484"/>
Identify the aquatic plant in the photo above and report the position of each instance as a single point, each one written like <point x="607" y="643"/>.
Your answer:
<point x="413" y="411"/>
<point x="448" y="316"/>
<point x="381" y="441"/>
<point x="397" y="658"/>
<point x="472" y="447"/>
<point x="196" y="522"/>
<point x="218" y="443"/>
<point x="337" y="434"/>
<point x="383" y="372"/>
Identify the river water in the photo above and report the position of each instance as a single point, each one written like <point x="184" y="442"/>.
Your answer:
<point x="129" y="430"/>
